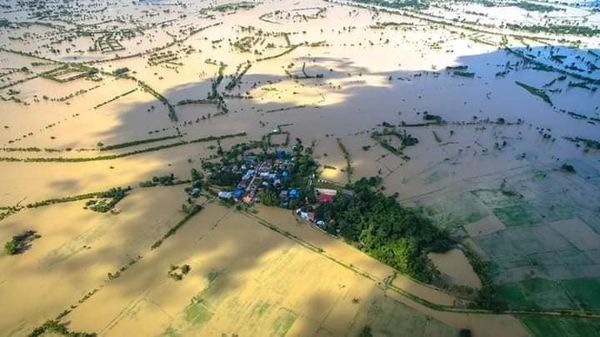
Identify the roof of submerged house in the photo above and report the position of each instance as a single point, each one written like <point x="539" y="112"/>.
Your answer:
<point x="325" y="198"/>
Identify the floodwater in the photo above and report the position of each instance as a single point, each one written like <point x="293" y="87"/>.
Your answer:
<point x="325" y="72"/>
<point x="454" y="263"/>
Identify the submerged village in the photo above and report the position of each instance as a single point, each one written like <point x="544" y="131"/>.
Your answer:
<point x="285" y="168"/>
<point x="357" y="212"/>
<point x="274" y="179"/>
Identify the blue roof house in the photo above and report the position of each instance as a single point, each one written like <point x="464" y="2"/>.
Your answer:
<point x="238" y="193"/>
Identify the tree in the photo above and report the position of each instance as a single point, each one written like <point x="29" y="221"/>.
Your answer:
<point x="568" y="168"/>
<point x="366" y="332"/>
<point x="11" y="247"/>
<point x="398" y="236"/>
<point x="465" y="333"/>
<point x="196" y="175"/>
<point x="269" y="198"/>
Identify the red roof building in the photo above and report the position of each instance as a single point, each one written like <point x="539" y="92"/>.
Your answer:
<point x="325" y="198"/>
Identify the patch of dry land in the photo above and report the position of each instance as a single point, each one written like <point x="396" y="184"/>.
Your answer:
<point x="299" y="168"/>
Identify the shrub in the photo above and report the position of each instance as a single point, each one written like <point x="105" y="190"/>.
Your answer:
<point x="20" y="242"/>
<point x="568" y="168"/>
<point x="366" y="332"/>
<point x="176" y="277"/>
<point x="55" y="327"/>
<point x="11" y="247"/>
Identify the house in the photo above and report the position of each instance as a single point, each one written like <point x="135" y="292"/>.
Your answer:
<point x="305" y="215"/>
<point x="238" y="193"/>
<point x="326" y="191"/>
<point x="281" y="154"/>
<point x="249" y="173"/>
<point x="283" y="195"/>
<point x="325" y="195"/>
<point x="195" y="192"/>
<point x="225" y="195"/>
<point x="325" y="198"/>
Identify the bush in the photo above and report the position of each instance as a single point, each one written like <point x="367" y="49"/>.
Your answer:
<point x="568" y="168"/>
<point x="20" y="242"/>
<point x="57" y="328"/>
<point x="176" y="277"/>
<point x="366" y="332"/>
<point x="269" y="198"/>
<point x="11" y="247"/>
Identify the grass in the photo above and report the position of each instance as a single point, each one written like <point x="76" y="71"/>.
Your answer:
<point x="197" y="313"/>
<point x="561" y="326"/>
<point x="534" y="294"/>
<point x="170" y="332"/>
<point x="585" y="291"/>
<point x="284" y="321"/>
<point x="549" y="294"/>
<point x="495" y="197"/>
<point x="535" y="91"/>
<point x="516" y="215"/>
<point x="259" y="309"/>
<point x="451" y="212"/>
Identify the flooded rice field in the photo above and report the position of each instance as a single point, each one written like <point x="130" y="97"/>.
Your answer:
<point x="481" y="117"/>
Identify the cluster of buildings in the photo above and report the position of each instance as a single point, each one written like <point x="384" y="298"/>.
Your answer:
<point x="269" y="174"/>
<point x="274" y="175"/>
<point x="323" y="196"/>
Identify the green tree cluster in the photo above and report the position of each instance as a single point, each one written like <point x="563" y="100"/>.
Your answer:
<point x="396" y="235"/>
